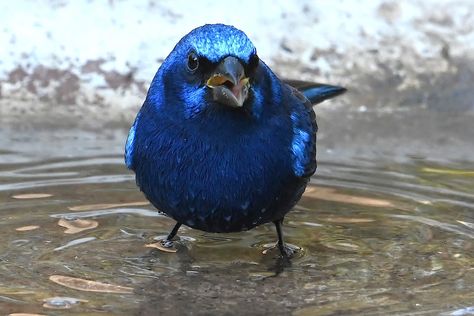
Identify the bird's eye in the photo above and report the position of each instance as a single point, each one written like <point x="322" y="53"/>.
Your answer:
<point x="193" y="62"/>
<point x="253" y="62"/>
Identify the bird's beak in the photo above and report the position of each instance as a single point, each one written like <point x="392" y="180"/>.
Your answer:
<point x="228" y="83"/>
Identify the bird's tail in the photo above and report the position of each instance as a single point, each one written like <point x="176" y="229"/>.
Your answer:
<point x="316" y="92"/>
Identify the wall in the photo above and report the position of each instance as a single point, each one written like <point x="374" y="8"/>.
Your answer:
<point x="82" y="57"/>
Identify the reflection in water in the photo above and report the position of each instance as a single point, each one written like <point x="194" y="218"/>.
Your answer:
<point x="375" y="238"/>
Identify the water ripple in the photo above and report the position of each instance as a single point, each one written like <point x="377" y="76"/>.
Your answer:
<point x="136" y="211"/>
<point x="434" y="223"/>
<point x="31" y="172"/>
<point x="71" y="181"/>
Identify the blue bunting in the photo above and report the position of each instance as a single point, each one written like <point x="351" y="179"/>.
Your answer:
<point x="220" y="143"/>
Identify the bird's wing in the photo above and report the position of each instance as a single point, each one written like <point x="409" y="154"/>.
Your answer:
<point x="316" y="92"/>
<point x="303" y="145"/>
<point x="130" y="144"/>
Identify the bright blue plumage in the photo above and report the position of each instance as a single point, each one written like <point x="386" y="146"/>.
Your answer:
<point x="217" y="41"/>
<point x="221" y="144"/>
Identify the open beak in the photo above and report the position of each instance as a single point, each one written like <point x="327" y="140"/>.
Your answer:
<point x="228" y="83"/>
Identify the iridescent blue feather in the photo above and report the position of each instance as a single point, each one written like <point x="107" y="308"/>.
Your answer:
<point x="213" y="167"/>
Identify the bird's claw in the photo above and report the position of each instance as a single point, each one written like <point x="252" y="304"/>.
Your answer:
<point x="163" y="245"/>
<point x="286" y="250"/>
<point x="166" y="243"/>
<point x="289" y="251"/>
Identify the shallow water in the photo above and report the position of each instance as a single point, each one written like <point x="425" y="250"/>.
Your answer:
<point x="377" y="237"/>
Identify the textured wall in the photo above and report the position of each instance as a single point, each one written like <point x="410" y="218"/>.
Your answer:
<point x="81" y="57"/>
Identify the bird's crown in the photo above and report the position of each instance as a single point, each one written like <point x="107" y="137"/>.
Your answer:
<point x="216" y="41"/>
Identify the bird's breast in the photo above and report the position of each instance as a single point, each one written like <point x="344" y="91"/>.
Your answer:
<point x="225" y="181"/>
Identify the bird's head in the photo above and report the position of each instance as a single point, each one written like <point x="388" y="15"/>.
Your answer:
<point x="211" y="67"/>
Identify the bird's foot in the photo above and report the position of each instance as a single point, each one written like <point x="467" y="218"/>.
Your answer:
<point x="166" y="243"/>
<point x="286" y="250"/>
<point x="289" y="250"/>
<point x="163" y="245"/>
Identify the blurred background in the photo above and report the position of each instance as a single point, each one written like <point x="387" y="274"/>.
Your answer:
<point x="90" y="62"/>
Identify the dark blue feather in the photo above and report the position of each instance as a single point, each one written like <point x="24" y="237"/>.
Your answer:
<point x="316" y="92"/>
<point x="214" y="167"/>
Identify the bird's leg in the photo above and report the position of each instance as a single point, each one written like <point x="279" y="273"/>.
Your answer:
<point x="280" y="242"/>
<point x="168" y="243"/>
<point x="285" y="250"/>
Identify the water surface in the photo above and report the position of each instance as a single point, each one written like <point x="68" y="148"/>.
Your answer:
<point x="377" y="237"/>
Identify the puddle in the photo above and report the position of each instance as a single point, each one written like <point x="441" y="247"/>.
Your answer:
<point x="377" y="237"/>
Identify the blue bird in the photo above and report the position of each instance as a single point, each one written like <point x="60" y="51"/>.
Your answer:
<point x="221" y="144"/>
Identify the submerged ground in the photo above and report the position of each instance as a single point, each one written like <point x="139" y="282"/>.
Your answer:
<point x="386" y="227"/>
